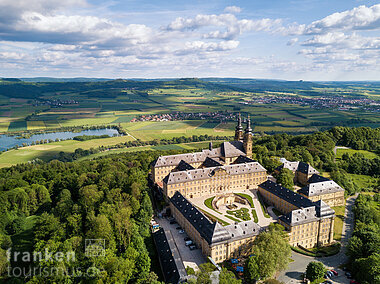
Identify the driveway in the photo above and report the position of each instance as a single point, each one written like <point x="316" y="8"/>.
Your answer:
<point x="298" y="266"/>
<point x="191" y="258"/>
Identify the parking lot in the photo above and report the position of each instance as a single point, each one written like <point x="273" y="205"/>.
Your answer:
<point x="190" y="258"/>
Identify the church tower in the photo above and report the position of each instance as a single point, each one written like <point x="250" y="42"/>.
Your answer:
<point x="239" y="130"/>
<point x="247" y="141"/>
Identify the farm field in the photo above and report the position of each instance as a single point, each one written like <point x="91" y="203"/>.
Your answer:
<point x="119" y="102"/>
<point x="149" y="130"/>
<point x="48" y="151"/>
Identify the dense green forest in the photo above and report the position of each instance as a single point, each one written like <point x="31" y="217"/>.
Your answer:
<point x="364" y="245"/>
<point x="63" y="204"/>
<point x="55" y="206"/>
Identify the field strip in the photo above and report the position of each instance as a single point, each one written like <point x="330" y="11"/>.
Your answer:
<point x="131" y="136"/>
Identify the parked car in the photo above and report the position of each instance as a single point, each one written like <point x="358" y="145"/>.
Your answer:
<point x="192" y="247"/>
<point x="188" y="243"/>
<point x="354" y="282"/>
<point x="328" y="282"/>
<point x="181" y="231"/>
<point x="348" y="274"/>
<point x="334" y="271"/>
<point x="186" y="239"/>
<point x="178" y="228"/>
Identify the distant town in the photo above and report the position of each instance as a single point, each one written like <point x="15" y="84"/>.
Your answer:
<point x="332" y="102"/>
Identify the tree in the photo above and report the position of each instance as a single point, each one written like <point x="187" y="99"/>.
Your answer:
<point x="315" y="270"/>
<point x="252" y="270"/>
<point x="204" y="272"/>
<point x="286" y="178"/>
<point x="228" y="277"/>
<point x="271" y="250"/>
<point x="273" y="281"/>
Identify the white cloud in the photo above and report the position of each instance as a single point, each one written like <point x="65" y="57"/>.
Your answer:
<point x="292" y="41"/>
<point x="211" y="46"/>
<point x="232" y="9"/>
<point x="233" y="27"/>
<point x="359" y="18"/>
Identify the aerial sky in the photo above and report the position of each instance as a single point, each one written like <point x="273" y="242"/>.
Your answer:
<point x="315" y="40"/>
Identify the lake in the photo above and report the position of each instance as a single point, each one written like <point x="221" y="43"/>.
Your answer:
<point x="7" y="142"/>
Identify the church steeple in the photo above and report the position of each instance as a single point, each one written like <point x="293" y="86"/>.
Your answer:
<point x="239" y="130"/>
<point x="248" y="129"/>
<point x="247" y="141"/>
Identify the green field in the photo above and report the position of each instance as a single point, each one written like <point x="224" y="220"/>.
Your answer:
<point x="364" y="182"/>
<point x="121" y="102"/>
<point x="150" y="130"/>
<point x="47" y="151"/>
<point x="338" y="223"/>
<point x="104" y="105"/>
<point x="367" y="154"/>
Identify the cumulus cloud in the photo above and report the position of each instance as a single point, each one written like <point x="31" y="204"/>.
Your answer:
<point x="232" y="25"/>
<point x="359" y="18"/>
<point x="197" y="46"/>
<point x="293" y="41"/>
<point x="54" y="35"/>
<point x="232" y="9"/>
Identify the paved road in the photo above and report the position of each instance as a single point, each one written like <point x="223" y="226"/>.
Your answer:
<point x="191" y="258"/>
<point x="298" y="266"/>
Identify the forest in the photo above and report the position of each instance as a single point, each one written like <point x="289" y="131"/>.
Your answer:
<point x="364" y="245"/>
<point x="56" y="206"/>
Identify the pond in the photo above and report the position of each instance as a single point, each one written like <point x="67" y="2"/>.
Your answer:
<point x="7" y="142"/>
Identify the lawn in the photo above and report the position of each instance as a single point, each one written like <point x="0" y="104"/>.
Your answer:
<point x="367" y="154"/>
<point x="208" y="203"/>
<point x="23" y="241"/>
<point x="248" y="197"/>
<point x="242" y="213"/>
<point x="338" y="223"/>
<point x="254" y="214"/>
<point x="214" y="218"/>
<point x="232" y="218"/>
<point x="363" y="182"/>
<point x="263" y="205"/>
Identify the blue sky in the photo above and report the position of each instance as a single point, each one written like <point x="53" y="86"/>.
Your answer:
<point x="279" y="39"/>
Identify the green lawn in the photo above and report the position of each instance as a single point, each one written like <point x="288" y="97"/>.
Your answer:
<point x="232" y="218"/>
<point x="263" y="205"/>
<point x="208" y="203"/>
<point x="248" y="197"/>
<point x="23" y="241"/>
<point x="367" y="154"/>
<point x="214" y="218"/>
<point x="338" y="222"/>
<point x="242" y="213"/>
<point x="363" y="182"/>
<point x="254" y="214"/>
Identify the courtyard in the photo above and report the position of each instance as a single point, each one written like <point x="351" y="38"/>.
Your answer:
<point x="235" y="207"/>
